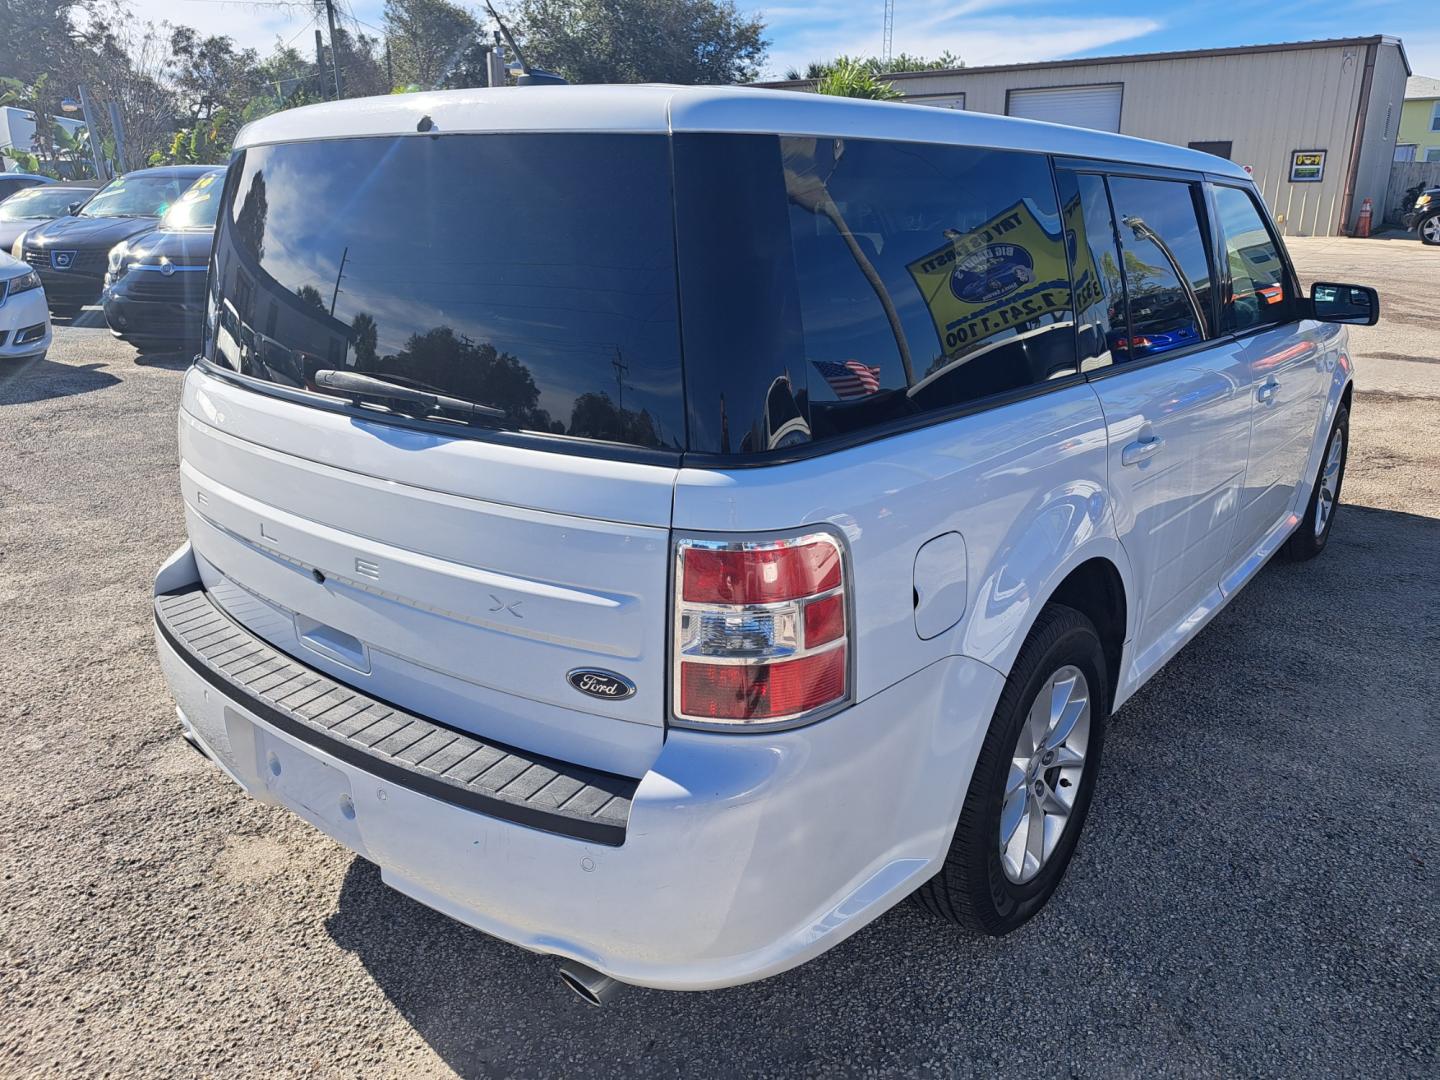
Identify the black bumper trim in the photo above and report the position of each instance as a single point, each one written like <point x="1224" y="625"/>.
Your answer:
<point x="390" y="743"/>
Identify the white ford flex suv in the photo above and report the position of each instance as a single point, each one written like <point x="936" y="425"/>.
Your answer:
<point x="666" y="527"/>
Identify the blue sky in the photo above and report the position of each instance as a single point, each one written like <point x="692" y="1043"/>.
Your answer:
<point x="980" y="31"/>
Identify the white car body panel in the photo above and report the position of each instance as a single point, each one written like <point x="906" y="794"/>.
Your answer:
<point x="463" y="578"/>
<point x="20" y="311"/>
<point x="446" y="560"/>
<point x="1024" y="486"/>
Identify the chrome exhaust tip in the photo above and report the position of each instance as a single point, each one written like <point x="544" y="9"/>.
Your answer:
<point x="592" y="987"/>
<point x="193" y="742"/>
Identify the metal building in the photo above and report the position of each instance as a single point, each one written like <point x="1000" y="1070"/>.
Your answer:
<point x="1314" y="121"/>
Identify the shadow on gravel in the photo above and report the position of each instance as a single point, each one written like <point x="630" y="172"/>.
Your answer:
<point x="173" y="359"/>
<point x="41" y="380"/>
<point x="1248" y="897"/>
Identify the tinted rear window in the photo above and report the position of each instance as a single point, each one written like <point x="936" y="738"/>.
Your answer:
<point x="531" y="272"/>
<point x="833" y="287"/>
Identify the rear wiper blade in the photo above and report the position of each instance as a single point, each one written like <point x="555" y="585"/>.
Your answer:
<point x="368" y="386"/>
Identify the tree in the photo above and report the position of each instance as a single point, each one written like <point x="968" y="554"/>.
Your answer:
<point x="311" y="298"/>
<point x="43" y="102"/>
<point x="127" y="62"/>
<point x="210" y="74"/>
<point x="876" y="65"/>
<point x="37" y="37"/>
<point x="427" y="39"/>
<point x="364" y="59"/>
<point x="364" y="337"/>
<point x="624" y="41"/>
<point x="849" y="78"/>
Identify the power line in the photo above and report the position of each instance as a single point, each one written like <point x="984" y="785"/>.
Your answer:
<point x="350" y="10"/>
<point x="300" y="31"/>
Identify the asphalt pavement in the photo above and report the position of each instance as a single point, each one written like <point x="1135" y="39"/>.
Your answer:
<point x="1256" y="892"/>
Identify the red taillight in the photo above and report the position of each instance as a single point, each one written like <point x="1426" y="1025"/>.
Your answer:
<point x="761" y="630"/>
<point x="764" y="691"/>
<point x="760" y="575"/>
<point x="824" y="620"/>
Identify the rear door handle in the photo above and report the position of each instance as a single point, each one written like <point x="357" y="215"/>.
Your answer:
<point x="1266" y="394"/>
<point x="1143" y="450"/>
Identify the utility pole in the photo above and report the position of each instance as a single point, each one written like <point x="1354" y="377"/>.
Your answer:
<point x="389" y="67"/>
<point x="334" y="49"/>
<point x="621" y="370"/>
<point x="117" y="128"/>
<point x="495" y="63"/>
<point x="344" y="256"/>
<point x="93" y="133"/>
<point x="320" y="59"/>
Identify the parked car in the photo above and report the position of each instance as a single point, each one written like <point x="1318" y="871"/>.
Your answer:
<point x="11" y="182"/>
<point x="605" y="516"/>
<point x="71" y="252"/>
<point x="24" y="319"/>
<point x="31" y="206"/>
<point x="1423" y="217"/>
<point x="155" y="285"/>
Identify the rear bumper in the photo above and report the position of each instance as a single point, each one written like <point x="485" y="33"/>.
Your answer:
<point x="742" y="856"/>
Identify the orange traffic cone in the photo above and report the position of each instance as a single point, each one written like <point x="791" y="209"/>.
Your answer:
<point x="1362" y="227"/>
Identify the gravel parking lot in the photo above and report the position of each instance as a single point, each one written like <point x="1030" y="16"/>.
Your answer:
<point x="1256" y="893"/>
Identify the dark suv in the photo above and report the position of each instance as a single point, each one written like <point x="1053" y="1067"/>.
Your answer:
<point x="70" y="252"/>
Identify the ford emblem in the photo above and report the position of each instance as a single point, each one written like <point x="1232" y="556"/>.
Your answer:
<point x="601" y="684"/>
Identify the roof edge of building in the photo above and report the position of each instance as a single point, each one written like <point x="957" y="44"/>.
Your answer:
<point x="1129" y="58"/>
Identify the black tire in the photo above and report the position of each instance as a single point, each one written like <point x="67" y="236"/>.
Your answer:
<point x="1306" y="542"/>
<point x="1431" y="235"/>
<point x="972" y="888"/>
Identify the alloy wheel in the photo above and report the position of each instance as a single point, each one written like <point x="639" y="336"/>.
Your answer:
<point x="1329" y="482"/>
<point x="1045" y="772"/>
<point x="1430" y="229"/>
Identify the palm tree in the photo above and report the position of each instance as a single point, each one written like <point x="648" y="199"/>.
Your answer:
<point x="853" y="78"/>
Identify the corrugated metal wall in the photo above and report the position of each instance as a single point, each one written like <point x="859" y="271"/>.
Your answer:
<point x="1381" y="128"/>
<point x="1267" y="104"/>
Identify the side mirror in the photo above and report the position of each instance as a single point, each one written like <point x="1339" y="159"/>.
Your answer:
<point x="74" y="208"/>
<point x="1355" y="305"/>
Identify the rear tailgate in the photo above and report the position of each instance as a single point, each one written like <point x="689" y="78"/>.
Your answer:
<point x="458" y="578"/>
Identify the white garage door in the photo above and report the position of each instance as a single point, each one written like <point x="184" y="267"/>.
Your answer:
<point x="1079" y="106"/>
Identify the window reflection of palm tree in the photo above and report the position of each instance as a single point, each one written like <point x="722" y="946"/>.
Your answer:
<point x="1142" y="231"/>
<point x="808" y="191"/>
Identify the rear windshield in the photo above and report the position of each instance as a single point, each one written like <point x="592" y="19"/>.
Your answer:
<point x="532" y="273"/>
<point x="819" y="289"/>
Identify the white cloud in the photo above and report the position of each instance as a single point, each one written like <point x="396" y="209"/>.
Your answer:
<point x="976" y="39"/>
<point x="252" y="25"/>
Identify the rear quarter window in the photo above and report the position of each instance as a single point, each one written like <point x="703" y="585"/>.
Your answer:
<point x="889" y="280"/>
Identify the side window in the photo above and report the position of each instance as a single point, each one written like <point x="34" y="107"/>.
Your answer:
<point x="1094" y="267"/>
<point x="928" y="276"/>
<point x="1257" y="293"/>
<point x="1166" y="265"/>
